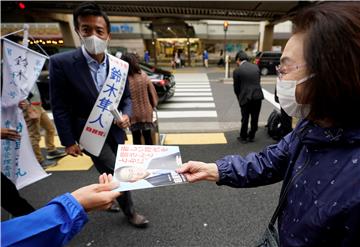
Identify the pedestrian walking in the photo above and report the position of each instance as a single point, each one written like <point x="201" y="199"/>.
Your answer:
<point x="36" y="118"/>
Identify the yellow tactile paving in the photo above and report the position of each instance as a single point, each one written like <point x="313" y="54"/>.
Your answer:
<point x="69" y="163"/>
<point x="82" y="163"/>
<point x="195" y="139"/>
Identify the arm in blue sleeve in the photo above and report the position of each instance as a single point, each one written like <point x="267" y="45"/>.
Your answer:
<point x="125" y="105"/>
<point x="256" y="169"/>
<point x="53" y="225"/>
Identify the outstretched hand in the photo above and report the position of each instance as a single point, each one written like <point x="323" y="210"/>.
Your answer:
<point x="196" y="171"/>
<point x="97" y="196"/>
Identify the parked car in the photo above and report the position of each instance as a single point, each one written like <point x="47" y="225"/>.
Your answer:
<point x="163" y="81"/>
<point x="267" y="61"/>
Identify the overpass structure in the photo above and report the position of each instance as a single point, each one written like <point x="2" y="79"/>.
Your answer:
<point x="152" y="21"/>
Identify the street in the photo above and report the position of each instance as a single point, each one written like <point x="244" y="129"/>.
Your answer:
<point x="202" y="214"/>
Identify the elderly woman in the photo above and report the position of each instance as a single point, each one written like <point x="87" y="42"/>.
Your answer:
<point x="319" y="161"/>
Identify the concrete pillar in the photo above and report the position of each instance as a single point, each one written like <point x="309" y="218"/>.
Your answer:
<point x="266" y="36"/>
<point x="67" y="27"/>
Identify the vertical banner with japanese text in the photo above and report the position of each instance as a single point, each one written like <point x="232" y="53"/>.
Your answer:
<point x="21" y="68"/>
<point x="100" y="120"/>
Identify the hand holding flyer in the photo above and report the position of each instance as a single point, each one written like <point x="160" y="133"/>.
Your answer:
<point x="147" y="166"/>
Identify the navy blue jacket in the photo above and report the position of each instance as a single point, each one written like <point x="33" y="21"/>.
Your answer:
<point x="73" y="94"/>
<point x="322" y="207"/>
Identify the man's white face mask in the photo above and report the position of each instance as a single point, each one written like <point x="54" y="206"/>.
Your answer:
<point x="94" y="45"/>
<point x="285" y="90"/>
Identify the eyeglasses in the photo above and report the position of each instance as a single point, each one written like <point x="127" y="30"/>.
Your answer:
<point x="283" y="69"/>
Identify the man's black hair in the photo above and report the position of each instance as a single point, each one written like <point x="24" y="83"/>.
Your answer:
<point x="241" y="55"/>
<point x="88" y="9"/>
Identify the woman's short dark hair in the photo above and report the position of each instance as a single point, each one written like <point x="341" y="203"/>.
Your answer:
<point x="332" y="54"/>
<point x="133" y="60"/>
<point x="88" y="9"/>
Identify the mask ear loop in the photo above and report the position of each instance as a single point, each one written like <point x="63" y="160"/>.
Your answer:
<point x="305" y="79"/>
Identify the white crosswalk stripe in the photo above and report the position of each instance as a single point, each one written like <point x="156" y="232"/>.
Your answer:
<point x="192" y="99"/>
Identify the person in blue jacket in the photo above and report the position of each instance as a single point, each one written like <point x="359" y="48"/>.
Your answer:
<point x="61" y="219"/>
<point x="319" y="81"/>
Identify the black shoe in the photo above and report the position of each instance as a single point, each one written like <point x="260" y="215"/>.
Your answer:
<point x="138" y="220"/>
<point x="242" y="140"/>
<point x="48" y="163"/>
<point x="55" y="154"/>
<point x="115" y="207"/>
<point x="251" y="139"/>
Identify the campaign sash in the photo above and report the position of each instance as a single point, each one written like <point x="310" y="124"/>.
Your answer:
<point x="98" y="124"/>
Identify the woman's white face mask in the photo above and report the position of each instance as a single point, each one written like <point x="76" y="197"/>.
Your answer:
<point x="94" y="45"/>
<point x="285" y="90"/>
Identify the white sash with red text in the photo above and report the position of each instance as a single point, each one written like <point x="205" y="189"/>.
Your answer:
<point x="100" y="120"/>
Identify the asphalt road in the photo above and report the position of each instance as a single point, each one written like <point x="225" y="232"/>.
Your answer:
<point x="201" y="214"/>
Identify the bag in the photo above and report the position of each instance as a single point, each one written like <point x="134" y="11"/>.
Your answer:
<point x="270" y="238"/>
<point x="274" y="125"/>
<point x="32" y="112"/>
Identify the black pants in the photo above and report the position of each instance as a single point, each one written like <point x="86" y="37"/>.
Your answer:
<point x="11" y="200"/>
<point x="105" y="162"/>
<point x="250" y="109"/>
<point x="137" y="136"/>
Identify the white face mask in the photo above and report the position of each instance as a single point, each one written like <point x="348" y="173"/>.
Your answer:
<point x="285" y="90"/>
<point x="94" y="45"/>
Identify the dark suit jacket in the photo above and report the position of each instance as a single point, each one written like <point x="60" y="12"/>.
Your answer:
<point x="247" y="83"/>
<point x="73" y="94"/>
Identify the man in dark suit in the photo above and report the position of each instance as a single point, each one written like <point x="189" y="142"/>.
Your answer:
<point x="249" y="94"/>
<point x="76" y="77"/>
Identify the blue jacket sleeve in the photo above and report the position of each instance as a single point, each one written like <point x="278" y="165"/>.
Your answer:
<point x="53" y="225"/>
<point x="59" y="93"/>
<point x="256" y="169"/>
<point x="125" y="105"/>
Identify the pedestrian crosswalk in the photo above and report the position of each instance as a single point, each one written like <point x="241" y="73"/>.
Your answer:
<point x="193" y="99"/>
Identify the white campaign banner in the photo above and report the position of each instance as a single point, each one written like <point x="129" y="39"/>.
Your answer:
<point x="21" y="68"/>
<point x="100" y="120"/>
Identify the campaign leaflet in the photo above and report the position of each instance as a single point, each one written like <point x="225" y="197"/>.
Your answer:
<point x="147" y="166"/>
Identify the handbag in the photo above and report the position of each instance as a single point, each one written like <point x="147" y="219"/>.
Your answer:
<point x="32" y="112"/>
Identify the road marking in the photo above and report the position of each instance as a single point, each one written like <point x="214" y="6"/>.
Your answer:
<point x="195" y="139"/>
<point x="193" y="90"/>
<point x="192" y="99"/>
<point x="192" y="86"/>
<point x="186" y="105"/>
<point x="186" y="114"/>
<point x="193" y="94"/>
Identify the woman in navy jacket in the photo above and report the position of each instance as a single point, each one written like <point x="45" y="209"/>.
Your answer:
<point x="319" y="81"/>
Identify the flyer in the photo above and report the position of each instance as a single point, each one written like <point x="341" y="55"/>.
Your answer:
<point x="147" y="166"/>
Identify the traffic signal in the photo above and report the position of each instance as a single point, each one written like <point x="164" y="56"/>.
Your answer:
<point x="226" y="25"/>
<point x="21" y="5"/>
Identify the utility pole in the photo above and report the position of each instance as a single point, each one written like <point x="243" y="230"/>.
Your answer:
<point x="226" y="25"/>
<point x="153" y="43"/>
<point x="226" y="58"/>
